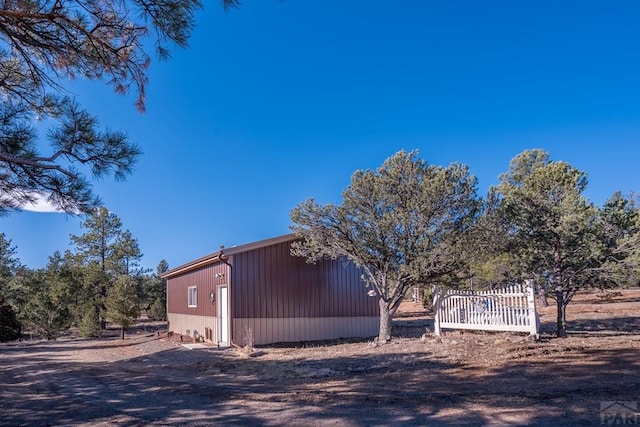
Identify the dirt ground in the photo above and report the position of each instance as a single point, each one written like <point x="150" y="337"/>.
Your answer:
<point x="469" y="378"/>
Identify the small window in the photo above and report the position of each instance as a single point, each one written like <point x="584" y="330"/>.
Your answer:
<point x="192" y="298"/>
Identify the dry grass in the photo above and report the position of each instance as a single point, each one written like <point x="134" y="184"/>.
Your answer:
<point x="416" y="379"/>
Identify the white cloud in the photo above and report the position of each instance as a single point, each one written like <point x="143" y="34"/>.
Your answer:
<point x="40" y="204"/>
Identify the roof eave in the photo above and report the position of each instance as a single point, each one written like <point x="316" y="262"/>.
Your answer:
<point x="222" y="255"/>
<point x="200" y="262"/>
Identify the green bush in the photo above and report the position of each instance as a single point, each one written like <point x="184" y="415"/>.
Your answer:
<point x="158" y="310"/>
<point x="427" y="296"/>
<point x="90" y="324"/>
<point x="10" y="327"/>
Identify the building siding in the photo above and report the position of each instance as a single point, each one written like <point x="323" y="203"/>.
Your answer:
<point x="205" y="280"/>
<point x="274" y="330"/>
<point x="270" y="283"/>
<point x="276" y="296"/>
<point x="194" y="325"/>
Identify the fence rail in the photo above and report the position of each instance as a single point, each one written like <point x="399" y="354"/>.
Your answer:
<point x="511" y="308"/>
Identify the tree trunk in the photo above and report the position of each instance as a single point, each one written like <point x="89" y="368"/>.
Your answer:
<point x="543" y="297"/>
<point x="561" y="329"/>
<point x="384" y="334"/>
<point x="122" y="332"/>
<point x="562" y="320"/>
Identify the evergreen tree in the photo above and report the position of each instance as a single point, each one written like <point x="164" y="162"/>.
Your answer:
<point x="9" y="265"/>
<point x="68" y="275"/>
<point x="405" y="225"/>
<point x="46" y="312"/>
<point x="126" y="254"/>
<point x="122" y="306"/>
<point x="155" y="287"/>
<point x="158" y="310"/>
<point x="98" y="244"/>
<point x="10" y="326"/>
<point x="105" y="251"/>
<point x="489" y="254"/>
<point x="561" y="239"/>
<point x="154" y="292"/>
<point x="619" y="221"/>
<point x="46" y="44"/>
<point x="90" y="323"/>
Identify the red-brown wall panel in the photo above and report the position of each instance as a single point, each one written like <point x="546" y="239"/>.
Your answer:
<point x="206" y="281"/>
<point x="270" y="283"/>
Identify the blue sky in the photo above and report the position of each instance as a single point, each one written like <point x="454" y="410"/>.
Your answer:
<point x="283" y="100"/>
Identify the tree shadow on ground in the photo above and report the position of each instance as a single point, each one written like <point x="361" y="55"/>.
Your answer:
<point x="204" y="389"/>
<point x="552" y="382"/>
<point x="215" y="387"/>
<point x="412" y="328"/>
<point x="610" y="326"/>
<point x="60" y="345"/>
<point x="616" y="299"/>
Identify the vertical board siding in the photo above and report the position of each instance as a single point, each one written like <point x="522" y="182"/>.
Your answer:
<point x="205" y="281"/>
<point x="271" y="283"/>
<point x="277" y="296"/>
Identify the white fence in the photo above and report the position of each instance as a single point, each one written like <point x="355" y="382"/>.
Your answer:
<point x="511" y="309"/>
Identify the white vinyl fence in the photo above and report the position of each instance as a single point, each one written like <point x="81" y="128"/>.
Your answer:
<point x="512" y="308"/>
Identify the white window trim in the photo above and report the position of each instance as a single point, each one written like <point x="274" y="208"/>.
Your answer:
<point x="192" y="301"/>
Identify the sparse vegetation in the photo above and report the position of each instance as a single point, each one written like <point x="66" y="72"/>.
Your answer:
<point x="411" y="224"/>
<point x="71" y="291"/>
<point x="158" y="310"/>
<point x="475" y="378"/>
<point x="404" y="224"/>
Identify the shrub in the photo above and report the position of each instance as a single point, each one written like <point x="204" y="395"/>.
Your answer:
<point x="158" y="310"/>
<point x="90" y="324"/>
<point x="10" y="327"/>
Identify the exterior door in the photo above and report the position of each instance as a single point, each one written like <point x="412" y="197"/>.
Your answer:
<point x="223" y="314"/>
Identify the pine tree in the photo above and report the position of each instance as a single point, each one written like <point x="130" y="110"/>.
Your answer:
<point x="155" y="288"/>
<point x="90" y="324"/>
<point x="126" y="254"/>
<point x="10" y="326"/>
<point x="562" y="240"/>
<point x="45" y="45"/>
<point x="67" y="275"/>
<point x="105" y="251"/>
<point x="46" y="317"/>
<point x="46" y="311"/>
<point x="404" y="224"/>
<point x="122" y="306"/>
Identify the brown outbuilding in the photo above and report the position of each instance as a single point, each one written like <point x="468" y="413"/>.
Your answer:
<point x="260" y="292"/>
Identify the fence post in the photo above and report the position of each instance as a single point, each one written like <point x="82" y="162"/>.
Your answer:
<point x="437" y="303"/>
<point x="531" y="308"/>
